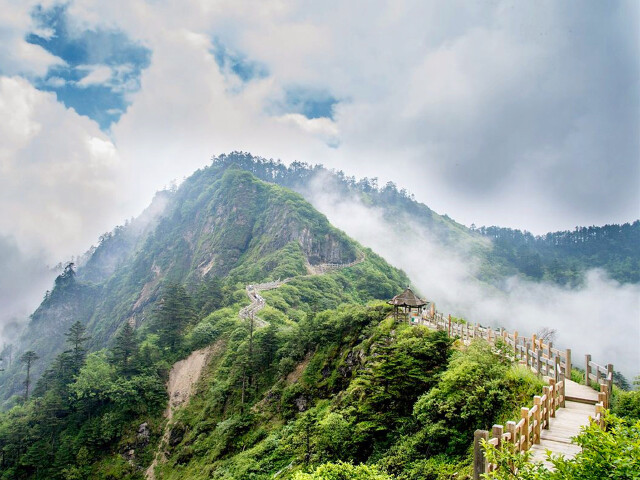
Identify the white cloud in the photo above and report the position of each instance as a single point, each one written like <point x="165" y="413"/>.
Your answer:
<point x="501" y="109"/>
<point x="17" y="56"/>
<point x="323" y="127"/>
<point x="61" y="175"/>
<point x="98" y="74"/>
<point x="55" y="82"/>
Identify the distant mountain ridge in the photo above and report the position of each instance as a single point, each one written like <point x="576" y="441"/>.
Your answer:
<point x="559" y="257"/>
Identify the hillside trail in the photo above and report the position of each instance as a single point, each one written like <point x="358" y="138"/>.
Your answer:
<point x="185" y="373"/>
<point x="182" y="379"/>
<point x="257" y="302"/>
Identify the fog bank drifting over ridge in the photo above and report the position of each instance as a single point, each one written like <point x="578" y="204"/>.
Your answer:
<point x="601" y="318"/>
<point x="24" y="280"/>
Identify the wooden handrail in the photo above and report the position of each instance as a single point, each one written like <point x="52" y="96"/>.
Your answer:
<point x="545" y="360"/>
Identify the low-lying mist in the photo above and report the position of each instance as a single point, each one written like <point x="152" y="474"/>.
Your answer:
<point x="601" y="318"/>
<point x="24" y="280"/>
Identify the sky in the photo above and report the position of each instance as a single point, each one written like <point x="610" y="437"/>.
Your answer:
<point x="518" y="114"/>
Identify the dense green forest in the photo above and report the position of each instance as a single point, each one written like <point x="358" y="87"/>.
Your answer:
<point x="348" y="384"/>
<point x="562" y="257"/>
<point x="559" y="257"/>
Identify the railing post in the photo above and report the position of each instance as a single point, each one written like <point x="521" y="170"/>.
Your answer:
<point x="528" y="356"/>
<point x="587" y="369"/>
<point x="563" y="389"/>
<point x="567" y="364"/>
<point x="479" y="460"/>
<point x="539" y="362"/>
<point x="554" y="394"/>
<point x="524" y="414"/>
<point x="546" y="393"/>
<point x="602" y="398"/>
<point x="515" y="343"/>
<point x="597" y="369"/>
<point x="450" y="325"/>
<point x="604" y="388"/>
<point x="610" y="377"/>
<point x="537" y="402"/>
<point x="556" y="368"/>
<point x="496" y="432"/>
<point x="511" y="428"/>
<point x="600" y="413"/>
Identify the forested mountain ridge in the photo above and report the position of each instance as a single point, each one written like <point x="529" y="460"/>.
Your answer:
<point x="325" y="375"/>
<point x="562" y="256"/>
<point x="559" y="257"/>
<point x="222" y="226"/>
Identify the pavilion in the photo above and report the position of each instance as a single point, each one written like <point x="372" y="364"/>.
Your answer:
<point x="405" y="303"/>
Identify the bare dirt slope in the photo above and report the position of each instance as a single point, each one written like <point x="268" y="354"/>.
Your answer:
<point x="183" y="378"/>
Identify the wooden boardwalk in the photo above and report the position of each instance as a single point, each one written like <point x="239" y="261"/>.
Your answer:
<point x="579" y="407"/>
<point x="557" y="415"/>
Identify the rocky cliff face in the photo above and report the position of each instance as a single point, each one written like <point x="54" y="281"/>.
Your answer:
<point x="254" y="217"/>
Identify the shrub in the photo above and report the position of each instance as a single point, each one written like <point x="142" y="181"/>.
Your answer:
<point x="343" y="471"/>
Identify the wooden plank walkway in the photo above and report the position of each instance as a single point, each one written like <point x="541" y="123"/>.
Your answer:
<point x="579" y="406"/>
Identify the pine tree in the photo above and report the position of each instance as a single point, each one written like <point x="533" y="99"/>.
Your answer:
<point x="210" y="295"/>
<point x="125" y="348"/>
<point x="57" y="377"/>
<point x="28" y="358"/>
<point x="76" y="338"/>
<point x="67" y="277"/>
<point x="173" y="314"/>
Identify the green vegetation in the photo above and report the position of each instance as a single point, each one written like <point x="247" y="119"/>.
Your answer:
<point x="325" y="385"/>
<point x="222" y="229"/>
<point x="343" y="471"/>
<point x="340" y="385"/>
<point x="149" y="295"/>
<point x="336" y="386"/>
<point x="626" y="404"/>
<point x="81" y="405"/>
<point x="562" y="257"/>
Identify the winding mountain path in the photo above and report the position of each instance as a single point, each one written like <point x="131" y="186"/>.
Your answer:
<point x="258" y="302"/>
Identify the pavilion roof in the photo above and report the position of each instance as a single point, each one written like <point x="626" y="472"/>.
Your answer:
<point x="407" y="299"/>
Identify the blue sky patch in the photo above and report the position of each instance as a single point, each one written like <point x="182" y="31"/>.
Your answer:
<point x="102" y="66"/>
<point x="312" y="103"/>
<point x="237" y="63"/>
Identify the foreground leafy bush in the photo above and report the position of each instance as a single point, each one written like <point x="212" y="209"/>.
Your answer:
<point x="627" y="404"/>
<point x="343" y="471"/>
<point x="471" y="392"/>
